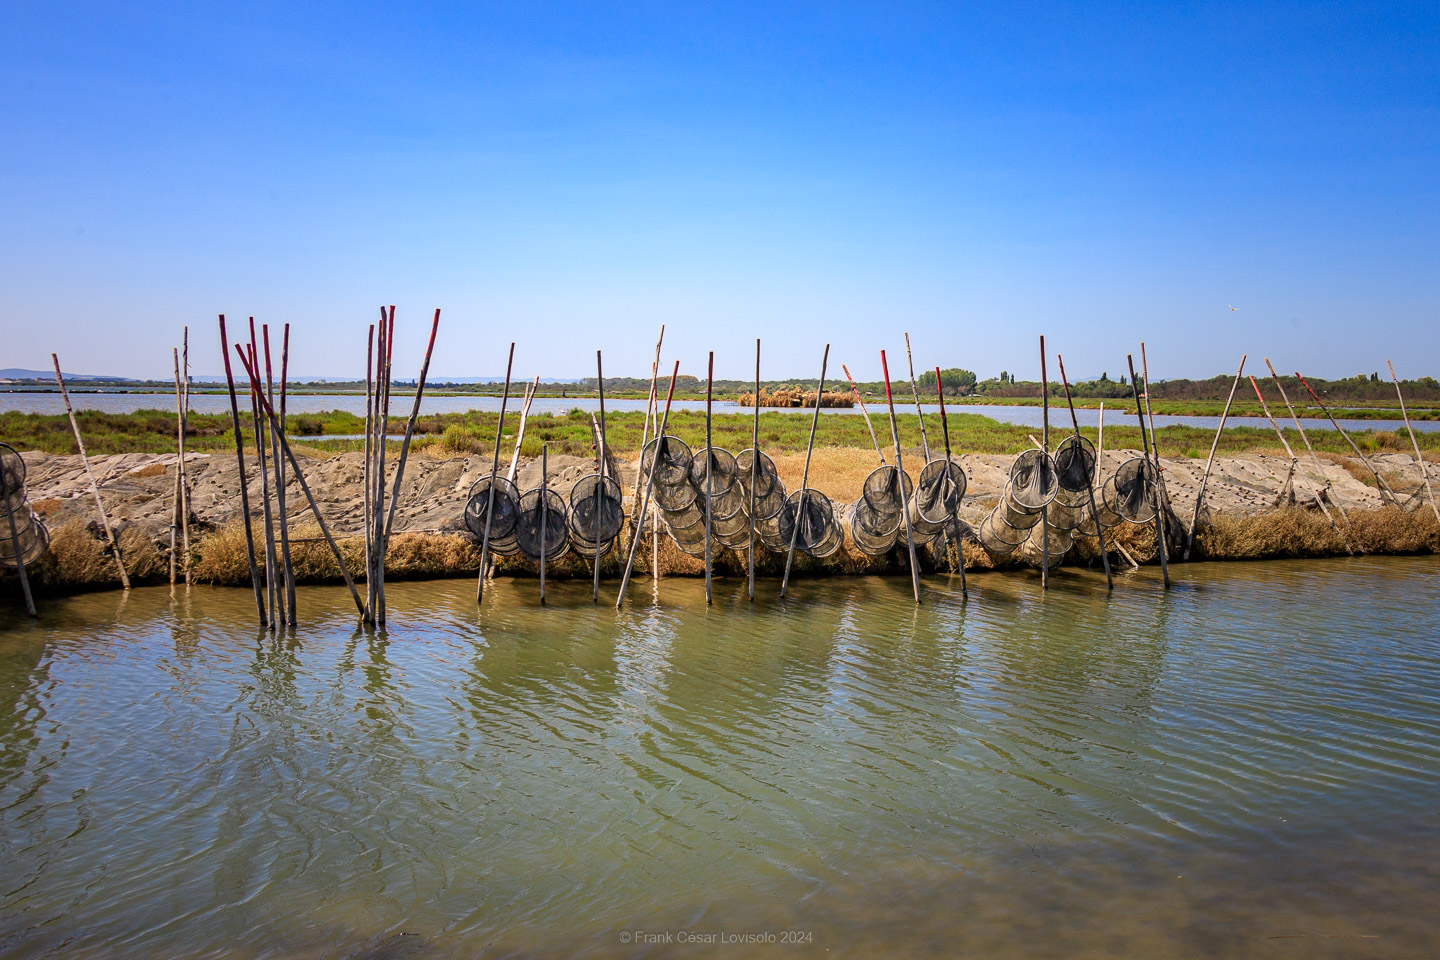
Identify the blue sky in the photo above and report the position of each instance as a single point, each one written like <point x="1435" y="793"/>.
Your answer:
<point x="571" y="175"/>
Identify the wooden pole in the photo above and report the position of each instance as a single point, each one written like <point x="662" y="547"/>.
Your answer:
<point x="754" y="476"/>
<point x="5" y="495"/>
<point x="1420" y="460"/>
<point x="924" y="440"/>
<point x="410" y="426"/>
<point x="240" y="462"/>
<point x="94" y="487"/>
<point x="1295" y="463"/>
<point x="286" y="564"/>
<point x="1089" y="484"/>
<point x="945" y="431"/>
<point x="1384" y="487"/>
<point x="380" y="543"/>
<point x="805" y="474"/>
<point x="601" y="454"/>
<point x="180" y="445"/>
<point x="865" y="413"/>
<point x="652" y="409"/>
<point x="1145" y="442"/>
<point x="1325" y="480"/>
<point x="257" y="391"/>
<point x="900" y="479"/>
<point x="709" y="479"/>
<point x="304" y="487"/>
<point x="494" y="472"/>
<point x="1045" y="450"/>
<point x="638" y="527"/>
<point x="1155" y="446"/>
<point x="544" y="513"/>
<point x="1100" y="436"/>
<point x="366" y="470"/>
<point x="1209" y="463"/>
<point x="279" y="463"/>
<point x="184" y="468"/>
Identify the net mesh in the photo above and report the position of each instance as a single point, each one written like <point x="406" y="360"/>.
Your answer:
<point x="1131" y="491"/>
<point x="542" y="508"/>
<point x="936" y="502"/>
<point x="596" y="514"/>
<point x="503" y="515"/>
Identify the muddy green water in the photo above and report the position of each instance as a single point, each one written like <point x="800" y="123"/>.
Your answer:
<point x="1247" y="766"/>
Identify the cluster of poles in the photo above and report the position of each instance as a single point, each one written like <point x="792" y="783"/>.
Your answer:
<point x="802" y="522"/>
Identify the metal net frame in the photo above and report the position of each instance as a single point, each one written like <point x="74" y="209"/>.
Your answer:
<point x="935" y="504"/>
<point x="31" y="536"/>
<point x="596" y="515"/>
<point x="505" y="517"/>
<point x="1131" y="491"/>
<point x="537" y="504"/>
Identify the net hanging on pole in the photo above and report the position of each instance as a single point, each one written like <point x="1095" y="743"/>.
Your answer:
<point x="31" y="538"/>
<point x="936" y="502"/>
<point x="540" y="527"/>
<point x="596" y="515"/>
<point x="505" y="515"/>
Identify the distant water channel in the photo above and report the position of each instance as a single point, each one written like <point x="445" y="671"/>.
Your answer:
<point x="1247" y="766"/>
<point x="319" y="403"/>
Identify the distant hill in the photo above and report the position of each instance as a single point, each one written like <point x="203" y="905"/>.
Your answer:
<point x="18" y="373"/>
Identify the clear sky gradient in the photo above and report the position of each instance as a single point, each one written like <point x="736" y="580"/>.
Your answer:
<point x="570" y="175"/>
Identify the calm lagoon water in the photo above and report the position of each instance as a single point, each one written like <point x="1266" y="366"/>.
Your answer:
<point x="1249" y="765"/>
<point x="1026" y="416"/>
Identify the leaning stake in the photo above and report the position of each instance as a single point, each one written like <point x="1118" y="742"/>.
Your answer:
<point x="866" y="414"/>
<point x="1327" y="491"/>
<point x="1363" y="459"/>
<point x="1145" y="443"/>
<point x="638" y="521"/>
<point x="805" y="474"/>
<point x="1090" y="483"/>
<point x="900" y="476"/>
<point x="94" y="487"/>
<point x="945" y="430"/>
<point x="1424" y="471"/>
<point x="410" y="427"/>
<point x="240" y="463"/>
<point x="494" y="472"/>
<point x="924" y="440"/>
<point x="1200" y="496"/>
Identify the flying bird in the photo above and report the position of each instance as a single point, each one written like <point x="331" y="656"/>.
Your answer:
<point x="1232" y="308"/>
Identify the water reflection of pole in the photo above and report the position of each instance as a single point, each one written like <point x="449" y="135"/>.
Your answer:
<point x="900" y="480"/>
<point x="1424" y="472"/>
<point x="1089" y="481"/>
<point x="1155" y="487"/>
<point x="494" y="474"/>
<point x="1205" y="478"/>
<point x="240" y="463"/>
<point x="805" y="474"/>
<point x="945" y="430"/>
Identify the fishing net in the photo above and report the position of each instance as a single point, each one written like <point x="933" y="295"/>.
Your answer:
<point x="542" y="507"/>
<point x="504" y="515"/>
<point x="1033" y="551"/>
<point x="31" y="539"/>
<point x="813" y="524"/>
<point x="672" y="466"/>
<point x="722" y="468"/>
<point x="596" y="515"/>
<point x="1130" y="493"/>
<point x="882" y="491"/>
<point x="12" y="472"/>
<point x="1033" y="481"/>
<point x="993" y="537"/>
<point x="936" y="503"/>
<point x="1033" y="485"/>
<point x="767" y="480"/>
<point x="864" y="526"/>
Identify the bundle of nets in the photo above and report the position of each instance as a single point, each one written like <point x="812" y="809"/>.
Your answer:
<point x="812" y="523"/>
<point x="541" y="527"/>
<point x="876" y="520"/>
<point x="1075" y="463"/>
<point x="1130" y="492"/>
<point x="1033" y="484"/>
<point x="759" y="481"/>
<point x="503" y="509"/>
<point x="596" y="515"/>
<point x="30" y="538"/>
<point x="936" y="501"/>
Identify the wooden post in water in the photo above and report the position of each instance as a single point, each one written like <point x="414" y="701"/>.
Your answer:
<point x="638" y="521"/>
<point x="384" y="426"/>
<point x="1045" y="449"/>
<point x="288" y="567"/>
<point x="410" y="427"/>
<point x="257" y="391"/>
<point x="805" y="474"/>
<point x="914" y="387"/>
<point x="1327" y="491"/>
<point x="1145" y="442"/>
<point x="945" y="431"/>
<point x="600" y="457"/>
<point x="754" y="477"/>
<point x="864" y="413"/>
<point x="900" y="479"/>
<point x="240" y="462"/>
<point x="90" y="474"/>
<point x="366" y="469"/>
<point x="709" y="479"/>
<point x="1384" y="487"/>
<point x="1209" y="463"/>
<point x="1420" y="460"/>
<point x="184" y="469"/>
<point x="6" y="495"/>
<point x="1155" y="446"/>
<point x="494" y="473"/>
<point x="304" y="487"/>
<point x="180" y="445"/>
<point x="282" y="613"/>
<point x="650" y="423"/>
<point x="1089" y="484"/>
<point x="544" y="512"/>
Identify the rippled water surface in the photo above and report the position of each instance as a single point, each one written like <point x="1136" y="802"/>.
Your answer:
<point x="1247" y="766"/>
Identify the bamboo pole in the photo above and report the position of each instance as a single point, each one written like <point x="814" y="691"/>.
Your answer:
<point x="945" y="430"/>
<point x="1155" y="446"/>
<point x="754" y="477"/>
<point x="709" y="480"/>
<point x="410" y="427"/>
<point x="865" y="413"/>
<point x="240" y="462"/>
<point x="180" y="445"/>
<point x="1385" y="487"/>
<point x="900" y="475"/>
<point x="1325" y="480"/>
<point x="924" y="440"/>
<point x="530" y="389"/>
<point x="5" y="495"/>
<point x="494" y="472"/>
<point x="283" y="611"/>
<point x="1089" y="484"/>
<point x="805" y="475"/>
<point x="380" y="542"/>
<point x="94" y="487"/>
<point x="639" y="520"/>
<point x="365" y="470"/>
<point x="1145" y="442"/>
<point x="601" y="454"/>
<point x="257" y="391"/>
<point x="184" y="468"/>
<point x="304" y="488"/>
<point x="1420" y="460"/>
<point x="1100" y="435"/>
<point x="544" y="513"/>
<point x="651" y="424"/>
<point x="1045" y="452"/>
<point x="1295" y="465"/>
<point x="286" y="564"/>
<point x="1210" y="463"/>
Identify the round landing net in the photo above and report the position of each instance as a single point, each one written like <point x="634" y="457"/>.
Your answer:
<point x="722" y="466"/>
<point x="672" y="466"/>
<point x="527" y="525"/>
<point x="767" y="480"/>
<point x="1059" y="542"/>
<point x="504" y="514"/>
<point x="12" y="474"/>
<point x="990" y="539"/>
<point x="1131" y="491"/>
<point x="32" y="539"/>
<point x="937" y="500"/>
<point x="882" y="491"/>
<point x="1033" y="482"/>
<point x="817" y="532"/>
<point x="863" y="526"/>
<point x="596" y="514"/>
